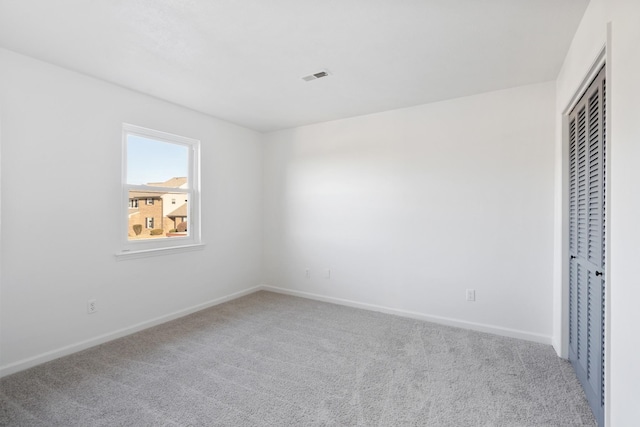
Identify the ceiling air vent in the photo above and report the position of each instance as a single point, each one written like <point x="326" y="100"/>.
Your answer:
<point x="315" y="76"/>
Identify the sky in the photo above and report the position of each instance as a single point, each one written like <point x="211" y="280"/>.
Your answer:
<point x="150" y="160"/>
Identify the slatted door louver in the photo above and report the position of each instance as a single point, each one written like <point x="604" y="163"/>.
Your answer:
<point x="587" y="139"/>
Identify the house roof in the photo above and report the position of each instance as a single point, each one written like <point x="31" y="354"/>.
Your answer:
<point x="181" y="211"/>
<point x="174" y="182"/>
<point x="144" y="194"/>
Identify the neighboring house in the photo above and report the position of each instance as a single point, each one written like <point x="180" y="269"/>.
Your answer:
<point x="174" y="205"/>
<point x="173" y="219"/>
<point x="157" y="210"/>
<point x="145" y="208"/>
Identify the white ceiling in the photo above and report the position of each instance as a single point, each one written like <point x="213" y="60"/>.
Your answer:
<point x="242" y="60"/>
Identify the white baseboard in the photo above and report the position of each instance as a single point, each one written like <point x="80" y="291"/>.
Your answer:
<point x="491" y="329"/>
<point x="82" y="345"/>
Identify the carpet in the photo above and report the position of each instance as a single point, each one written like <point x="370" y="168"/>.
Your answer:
<point x="268" y="359"/>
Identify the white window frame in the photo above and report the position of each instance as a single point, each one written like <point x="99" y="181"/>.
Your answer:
<point x="152" y="247"/>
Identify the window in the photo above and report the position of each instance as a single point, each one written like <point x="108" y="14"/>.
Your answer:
<point x="163" y="170"/>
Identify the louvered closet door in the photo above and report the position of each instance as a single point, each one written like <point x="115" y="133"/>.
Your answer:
<point x="587" y="139"/>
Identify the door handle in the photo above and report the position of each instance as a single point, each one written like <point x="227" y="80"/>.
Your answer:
<point x="573" y="257"/>
<point x="598" y="273"/>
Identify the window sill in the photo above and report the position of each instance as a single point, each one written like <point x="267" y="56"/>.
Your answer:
<point x="145" y="253"/>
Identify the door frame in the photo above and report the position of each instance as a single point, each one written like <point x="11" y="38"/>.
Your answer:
<point x="602" y="59"/>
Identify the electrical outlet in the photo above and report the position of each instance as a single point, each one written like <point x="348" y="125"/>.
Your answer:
<point x="471" y="294"/>
<point x="327" y="274"/>
<point x="307" y="274"/>
<point x="92" y="307"/>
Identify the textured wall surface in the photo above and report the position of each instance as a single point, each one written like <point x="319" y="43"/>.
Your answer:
<point x="62" y="149"/>
<point x="409" y="208"/>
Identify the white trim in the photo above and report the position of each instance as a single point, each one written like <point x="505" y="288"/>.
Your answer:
<point x="162" y="246"/>
<point x="145" y="253"/>
<point x="481" y="327"/>
<point x="91" y="342"/>
<point x="595" y="68"/>
<point x="159" y="135"/>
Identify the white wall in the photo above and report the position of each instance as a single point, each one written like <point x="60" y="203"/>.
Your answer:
<point x="408" y="208"/>
<point x="623" y="88"/>
<point x="61" y="208"/>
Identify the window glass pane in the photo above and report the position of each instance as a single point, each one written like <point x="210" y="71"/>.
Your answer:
<point x="161" y="184"/>
<point x="153" y="162"/>
<point x="161" y="219"/>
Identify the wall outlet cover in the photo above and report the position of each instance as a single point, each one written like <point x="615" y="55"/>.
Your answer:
<point x="471" y="294"/>
<point x="92" y="307"/>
